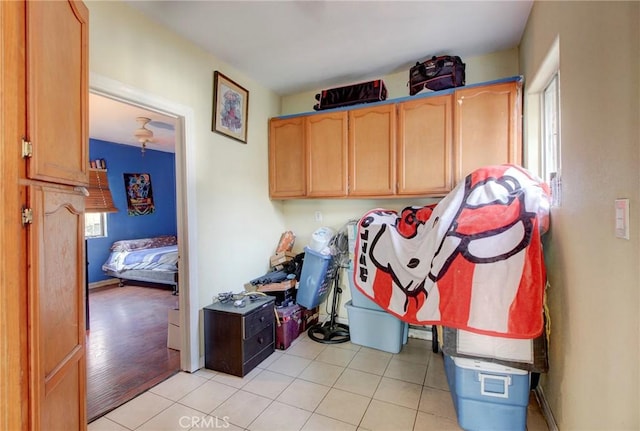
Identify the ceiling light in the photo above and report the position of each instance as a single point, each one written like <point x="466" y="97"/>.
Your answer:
<point x="143" y="134"/>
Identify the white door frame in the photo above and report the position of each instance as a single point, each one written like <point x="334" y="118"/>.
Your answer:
<point x="185" y="203"/>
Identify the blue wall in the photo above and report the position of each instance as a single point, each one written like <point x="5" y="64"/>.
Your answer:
<point x="122" y="159"/>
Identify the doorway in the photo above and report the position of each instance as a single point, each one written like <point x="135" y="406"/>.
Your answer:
<point x="185" y="204"/>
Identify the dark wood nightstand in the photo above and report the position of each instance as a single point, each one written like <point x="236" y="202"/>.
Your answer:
<point x="236" y="339"/>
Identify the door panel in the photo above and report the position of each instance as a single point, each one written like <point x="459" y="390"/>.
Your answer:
<point x="372" y="149"/>
<point x="487" y="127"/>
<point x="57" y="90"/>
<point x="57" y="304"/>
<point x="327" y="154"/>
<point x="424" y="146"/>
<point x="287" y="173"/>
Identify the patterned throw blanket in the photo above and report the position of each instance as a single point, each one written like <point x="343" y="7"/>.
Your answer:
<point x="473" y="261"/>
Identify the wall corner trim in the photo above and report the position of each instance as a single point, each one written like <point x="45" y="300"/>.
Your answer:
<point x="546" y="410"/>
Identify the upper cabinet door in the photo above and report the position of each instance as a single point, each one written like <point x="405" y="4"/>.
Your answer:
<point x="287" y="172"/>
<point x="488" y="127"/>
<point x="57" y="91"/>
<point x="424" y="146"/>
<point x="372" y="150"/>
<point x="327" y="146"/>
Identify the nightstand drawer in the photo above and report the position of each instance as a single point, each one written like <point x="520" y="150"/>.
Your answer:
<point x="258" y="342"/>
<point x="257" y="321"/>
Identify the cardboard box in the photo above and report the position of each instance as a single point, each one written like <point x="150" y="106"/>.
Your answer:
<point x="174" y="335"/>
<point x="174" y="339"/>
<point x="284" y="292"/>
<point x="282" y="257"/>
<point x="310" y="317"/>
<point x="488" y="395"/>
<point x="174" y="316"/>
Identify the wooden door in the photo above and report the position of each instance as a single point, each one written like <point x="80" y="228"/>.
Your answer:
<point x="56" y="109"/>
<point x="57" y="90"/>
<point x="488" y="126"/>
<point x="424" y="146"/>
<point x="372" y="149"/>
<point x="57" y="308"/>
<point x="327" y="154"/>
<point x="287" y="167"/>
<point x="14" y="376"/>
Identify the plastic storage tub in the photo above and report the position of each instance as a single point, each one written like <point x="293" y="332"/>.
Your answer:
<point x="288" y="325"/>
<point x="359" y="299"/>
<point x="488" y="396"/>
<point x="376" y="329"/>
<point x="315" y="283"/>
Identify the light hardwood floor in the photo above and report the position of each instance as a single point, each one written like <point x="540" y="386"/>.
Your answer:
<point x="127" y="344"/>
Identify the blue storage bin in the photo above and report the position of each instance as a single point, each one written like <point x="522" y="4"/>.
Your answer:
<point x="359" y="299"/>
<point x="376" y="329"/>
<point x="488" y="396"/>
<point x="315" y="280"/>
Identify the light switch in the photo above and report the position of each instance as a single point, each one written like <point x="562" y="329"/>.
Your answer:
<point x="622" y="218"/>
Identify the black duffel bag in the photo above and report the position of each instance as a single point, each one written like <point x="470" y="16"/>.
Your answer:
<point x="438" y="73"/>
<point x="364" y="92"/>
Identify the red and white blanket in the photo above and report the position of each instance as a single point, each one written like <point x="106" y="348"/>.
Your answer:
<point x="474" y="261"/>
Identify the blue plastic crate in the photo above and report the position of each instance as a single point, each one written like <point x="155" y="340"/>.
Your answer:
<point x="359" y="299"/>
<point x="315" y="278"/>
<point x="488" y="396"/>
<point x="376" y="329"/>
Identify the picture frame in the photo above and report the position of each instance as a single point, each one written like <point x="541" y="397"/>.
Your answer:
<point x="230" y="108"/>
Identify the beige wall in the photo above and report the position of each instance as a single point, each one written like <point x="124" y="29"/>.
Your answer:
<point x="594" y="298"/>
<point x="238" y="226"/>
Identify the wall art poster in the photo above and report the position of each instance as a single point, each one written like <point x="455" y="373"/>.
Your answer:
<point x="139" y="194"/>
<point x="230" y="108"/>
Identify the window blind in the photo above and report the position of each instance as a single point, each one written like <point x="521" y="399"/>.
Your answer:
<point x="99" y="199"/>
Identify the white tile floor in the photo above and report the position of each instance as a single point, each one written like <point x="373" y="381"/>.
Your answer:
<point x="310" y="386"/>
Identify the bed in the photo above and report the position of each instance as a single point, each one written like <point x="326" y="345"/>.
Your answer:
<point x="151" y="260"/>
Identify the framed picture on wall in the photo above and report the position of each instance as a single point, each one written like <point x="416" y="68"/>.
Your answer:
<point x="230" y="108"/>
<point x="139" y="194"/>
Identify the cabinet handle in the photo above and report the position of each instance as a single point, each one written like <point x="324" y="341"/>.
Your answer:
<point x="260" y="340"/>
<point x="262" y="319"/>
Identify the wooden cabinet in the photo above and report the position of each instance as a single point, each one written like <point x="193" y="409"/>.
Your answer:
<point x="488" y="126"/>
<point x="327" y="144"/>
<point x="372" y="151"/>
<point x="287" y="157"/>
<point x="425" y="146"/>
<point x="413" y="148"/>
<point x="57" y="289"/>
<point x="44" y="86"/>
<point x="236" y="339"/>
<point x="58" y="91"/>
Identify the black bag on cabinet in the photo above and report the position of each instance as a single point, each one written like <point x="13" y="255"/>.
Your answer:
<point x="438" y="73"/>
<point x="364" y="92"/>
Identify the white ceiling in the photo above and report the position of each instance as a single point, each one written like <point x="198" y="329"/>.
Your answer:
<point x="115" y="121"/>
<point x="294" y="46"/>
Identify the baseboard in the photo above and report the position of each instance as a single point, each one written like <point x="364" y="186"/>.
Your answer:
<point x="420" y="332"/>
<point x="103" y="283"/>
<point x="546" y="410"/>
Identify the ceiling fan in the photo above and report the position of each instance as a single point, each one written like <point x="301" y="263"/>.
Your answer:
<point x="142" y="134"/>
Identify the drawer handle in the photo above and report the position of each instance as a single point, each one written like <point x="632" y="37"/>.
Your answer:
<point x="262" y="319"/>
<point x="260" y="340"/>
